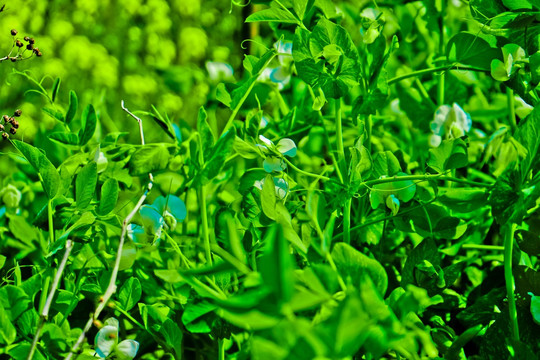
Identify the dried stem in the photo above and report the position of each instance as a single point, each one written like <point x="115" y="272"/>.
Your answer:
<point x="111" y="288"/>
<point x="45" y="312"/>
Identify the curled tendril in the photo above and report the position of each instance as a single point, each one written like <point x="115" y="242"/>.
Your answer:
<point x="253" y="41"/>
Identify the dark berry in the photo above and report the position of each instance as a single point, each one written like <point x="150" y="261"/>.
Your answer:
<point x="2" y="128"/>
<point x="5" y="136"/>
<point x="14" y="32"/>
<point x="30" y="47"/>
<point x="18" y="43"/>
<point x="13" y="131"/>
<point x="17" y="112"/>
<point x="26" y="38"/>
<point x="15" y="124"/>
<point x="11" y="120"/>
<point x="39" y="53"/>
<point x="13" y="59"/>
<point x="6" y="118"/>
<point x="31" y="40"/>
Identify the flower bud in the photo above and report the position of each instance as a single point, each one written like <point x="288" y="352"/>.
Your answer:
<point x="14" y="32"/>
<point x="15" y="124"/>
<point x="5" y="136"/>
<point x="10" y="120"/>
<point x="12" y="130"/>
<point x="39" y="54"/>
<point x="18" y="43"/>
<point x="17" y="112"/>
<point x="36" y="50"/>
<point x="30" y="46"/>
<point x="13" y="59"/>
<point x="11" y="196"/>
<point x="2" y="128"/>
<point x="6" y="118"/>
<point x="26" y="38"/>
<point x="31" y="41"/>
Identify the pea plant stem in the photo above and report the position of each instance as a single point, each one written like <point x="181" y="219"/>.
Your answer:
<point x="509" y="279"/>
<point x="244" y="97"/>
<point x="204" y="215"/>
<point x="45" y="311"/>
<point x="425" y="177"/>
<point x="111" y="288"/>
<point x="342" y="165"/>
<point x="511" y="109"/>
<point x="433" y="70"/>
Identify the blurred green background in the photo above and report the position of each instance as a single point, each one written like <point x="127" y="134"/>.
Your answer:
<point x="147" y="52"/>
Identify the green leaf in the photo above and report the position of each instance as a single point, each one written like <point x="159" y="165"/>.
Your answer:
<point x="86" y="219"/>
<point x="130" y="293"/>
<point x="469" y="49"/>
<point x="464" y="200"/>
<point x="109" y="196"/>
<point x="268" y="197"/>
<point x="220" y="152"/>
<point x="273" y="14"/>
<point x="65" y="138"/>
<point x="451" y="154"/>
<point x="173" y="336"/>
<point x="85" y="185"/>
<point x="89" y="123"/>
<point x="72" y="108"/>
<point x="206" y="136"/>
<point x="55" y="89"/>
<point x="426" y="250"/>
<point x="528" y="135"/>
<point x="8" y="333"/>
<point x="48" y="174"/>
<point x="14" y="301"/>
<point x="276" y="265"/>
<point x="351" y="262"/>
<point x="54" y="113"/>
<point x="301" y="7"/>
<point x="385" y="163"/>
<point x="335" y="74"/>
<point x="149" y="158"/>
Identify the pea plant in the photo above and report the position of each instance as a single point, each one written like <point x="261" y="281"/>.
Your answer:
<point x="366" y="186"/>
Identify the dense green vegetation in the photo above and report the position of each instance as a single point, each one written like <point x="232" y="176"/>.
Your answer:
<point x="282" y="179"/>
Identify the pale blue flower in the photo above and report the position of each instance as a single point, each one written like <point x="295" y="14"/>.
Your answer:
<point x="281" y="186"/>
<point x="285" y="147"/>
<point x="106" y="342"/>
<point x="164" y="212"/>
<point x="279" y="76"/>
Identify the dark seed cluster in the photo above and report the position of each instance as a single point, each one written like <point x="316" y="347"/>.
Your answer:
<point x="22" y="49"/>
<point x="9" y="122"/>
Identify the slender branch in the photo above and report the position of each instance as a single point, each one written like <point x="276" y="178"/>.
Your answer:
<point x="425" y="177"/>
<point x="111" y="288"/>
<point x="244" y="97"/>
<point x="45" y="311"/>
<point x="292" y="166"/>
<point x="509" y="279"/>
<point x="433" y="70"/>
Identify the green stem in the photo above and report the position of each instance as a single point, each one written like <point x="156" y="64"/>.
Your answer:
<point x="509" y="279"/>
<point x="482" y="247"/>
<point x="221" y="349"/>
<point x="128" y="315"/>
<point x="243" y="99"/>
<point x="511" y="109"/>
<point x="440" y="89"/>
<point x="334" y="267"/>
<point x="339" y="135"/>
<point x="347" y="221"/>
<point x="51" y="224"/>
<point x="204" y="215"/>
<point x="426" y="177"/>
<point x="292" y="166"/>
<point x="433" y="70"/>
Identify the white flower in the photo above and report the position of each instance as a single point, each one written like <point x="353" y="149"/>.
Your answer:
<point x="219" y="71"/>
<point x="451" y="121"/>
<point x="284" y="49"/>
<point x="285" y="147"/>
<point x="106" y="342"/>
